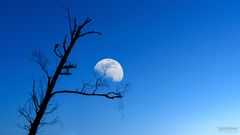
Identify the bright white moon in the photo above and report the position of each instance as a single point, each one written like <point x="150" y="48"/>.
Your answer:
<point x="111" y="68"/>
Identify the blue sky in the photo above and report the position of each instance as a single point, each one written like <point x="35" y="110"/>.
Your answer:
<point x="181" y="57"/>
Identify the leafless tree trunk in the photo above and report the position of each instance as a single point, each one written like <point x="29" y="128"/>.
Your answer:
<point x="40" y="99"/>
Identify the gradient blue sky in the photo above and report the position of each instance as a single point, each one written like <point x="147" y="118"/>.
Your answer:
<point x="182" y="58"/>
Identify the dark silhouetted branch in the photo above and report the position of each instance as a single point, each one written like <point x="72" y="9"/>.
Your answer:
<point x="64" y="43"/>
<point x="110" y="95"/>
<point x="42" y="61"/>
<point x="89" y="32"/>
<point x="57" y="51"/>
<point x="93" y="89"/>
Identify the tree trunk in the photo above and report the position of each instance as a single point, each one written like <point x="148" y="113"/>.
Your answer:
<point x="37" y="121"/>
<point x="40" y="113"/>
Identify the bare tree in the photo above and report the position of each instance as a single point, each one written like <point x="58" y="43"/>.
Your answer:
<point x="39" y="105"/>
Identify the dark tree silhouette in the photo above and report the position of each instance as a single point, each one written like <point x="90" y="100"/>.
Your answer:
<point x="39" y="105"/>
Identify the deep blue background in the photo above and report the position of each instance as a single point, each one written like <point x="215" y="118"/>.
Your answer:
<point x="181" y="57"/>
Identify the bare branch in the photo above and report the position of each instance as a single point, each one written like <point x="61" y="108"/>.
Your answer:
<point x="110" y="95"/>
<point x="89" y="32"/>
<point x="41" y="60"/>
<point x="92" y="89"/>
<point x="75" y="25"/>
<point x="79" y="28"/>
<point x="34" y="97"/>
<point x="25" y="126"/>
<point x="66" y="69"/>
<point x="73" y="28"/>
<point x="57" y="51"/>
<point x="70" y="21"/>
<point x="42" y="91"/>
<point x="88" y="20"/>
<point x="64" y="43"/>
<point x="25" y="114"/>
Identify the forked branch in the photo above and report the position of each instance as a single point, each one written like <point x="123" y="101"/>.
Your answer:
<point x="110" y="95"/>
<point x="100" y="88"/>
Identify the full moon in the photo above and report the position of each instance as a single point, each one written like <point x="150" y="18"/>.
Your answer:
<point x="110" y="68"/>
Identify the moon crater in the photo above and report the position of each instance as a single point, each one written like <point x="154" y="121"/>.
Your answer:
<point x="110" y="68"/>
